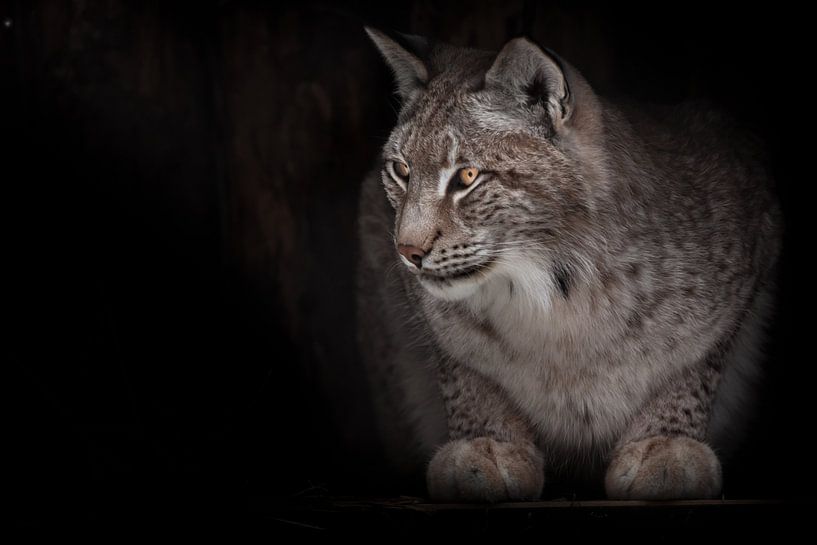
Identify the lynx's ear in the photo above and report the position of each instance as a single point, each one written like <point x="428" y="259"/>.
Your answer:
<point x="533" y="76"/>
<point x="409" y="71"/>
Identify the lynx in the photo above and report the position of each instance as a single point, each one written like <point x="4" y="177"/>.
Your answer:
<point x="550" y="283"/>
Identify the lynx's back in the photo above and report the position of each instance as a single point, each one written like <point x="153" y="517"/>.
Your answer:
<point x="578" y="257"/>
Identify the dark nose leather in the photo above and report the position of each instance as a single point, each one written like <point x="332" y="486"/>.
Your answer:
<point x="412" y="253"/>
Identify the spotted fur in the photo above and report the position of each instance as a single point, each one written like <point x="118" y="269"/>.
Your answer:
<point x="604" y="281"/>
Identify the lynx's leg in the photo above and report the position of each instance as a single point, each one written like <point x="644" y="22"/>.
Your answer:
<point x="490" y="455"/>
<point x="663" y="454"/>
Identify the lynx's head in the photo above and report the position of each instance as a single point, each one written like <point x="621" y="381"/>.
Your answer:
<point x="487" y="166"/>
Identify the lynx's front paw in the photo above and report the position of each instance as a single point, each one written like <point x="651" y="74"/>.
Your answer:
<point x="663" y="468"/>
<point x="485" y="470"/>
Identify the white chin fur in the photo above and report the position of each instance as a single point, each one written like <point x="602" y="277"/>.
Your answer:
<point x="453" y="290"/>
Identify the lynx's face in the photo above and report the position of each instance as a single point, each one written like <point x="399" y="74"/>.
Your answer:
<point x="477" y="189"/>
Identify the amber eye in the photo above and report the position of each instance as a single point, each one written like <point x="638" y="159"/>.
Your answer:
<point x="468" y="175"/>
<point x="401" y="170"/>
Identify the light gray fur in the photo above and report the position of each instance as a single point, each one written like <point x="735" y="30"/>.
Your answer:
<point x="620" y="269"/>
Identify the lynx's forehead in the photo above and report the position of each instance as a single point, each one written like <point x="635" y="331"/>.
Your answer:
<point x="459" y="130"/>
<point x="433" y="120"/>
<point x="455" y="114"/>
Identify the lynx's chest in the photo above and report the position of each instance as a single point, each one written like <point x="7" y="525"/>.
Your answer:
<point x="564" y="366"/>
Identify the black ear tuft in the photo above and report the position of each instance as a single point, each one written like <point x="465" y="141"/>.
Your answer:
<point x="409" y="70"/>
<point x="419" y="46"/>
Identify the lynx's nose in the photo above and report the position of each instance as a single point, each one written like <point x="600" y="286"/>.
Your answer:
<point x="412" y="253"/>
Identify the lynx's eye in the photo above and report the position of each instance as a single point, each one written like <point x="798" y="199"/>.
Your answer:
<point x="400" y="170"/>
<point x="467" y="176"/>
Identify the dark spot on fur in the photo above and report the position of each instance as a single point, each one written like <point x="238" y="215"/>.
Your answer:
<point x="563" y="279"/>
<point x="486" y="328"/>
<point x="606" y="278"/>
<point x="635" y="322"/>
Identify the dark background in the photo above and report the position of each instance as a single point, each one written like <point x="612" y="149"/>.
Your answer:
<point x="179" y="196"/>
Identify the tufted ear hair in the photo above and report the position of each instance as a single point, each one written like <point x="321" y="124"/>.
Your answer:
<point x="533" y="76"/>
<point x="409" y="71"/>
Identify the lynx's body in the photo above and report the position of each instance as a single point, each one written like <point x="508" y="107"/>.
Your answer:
<point x="594" y="300"/>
